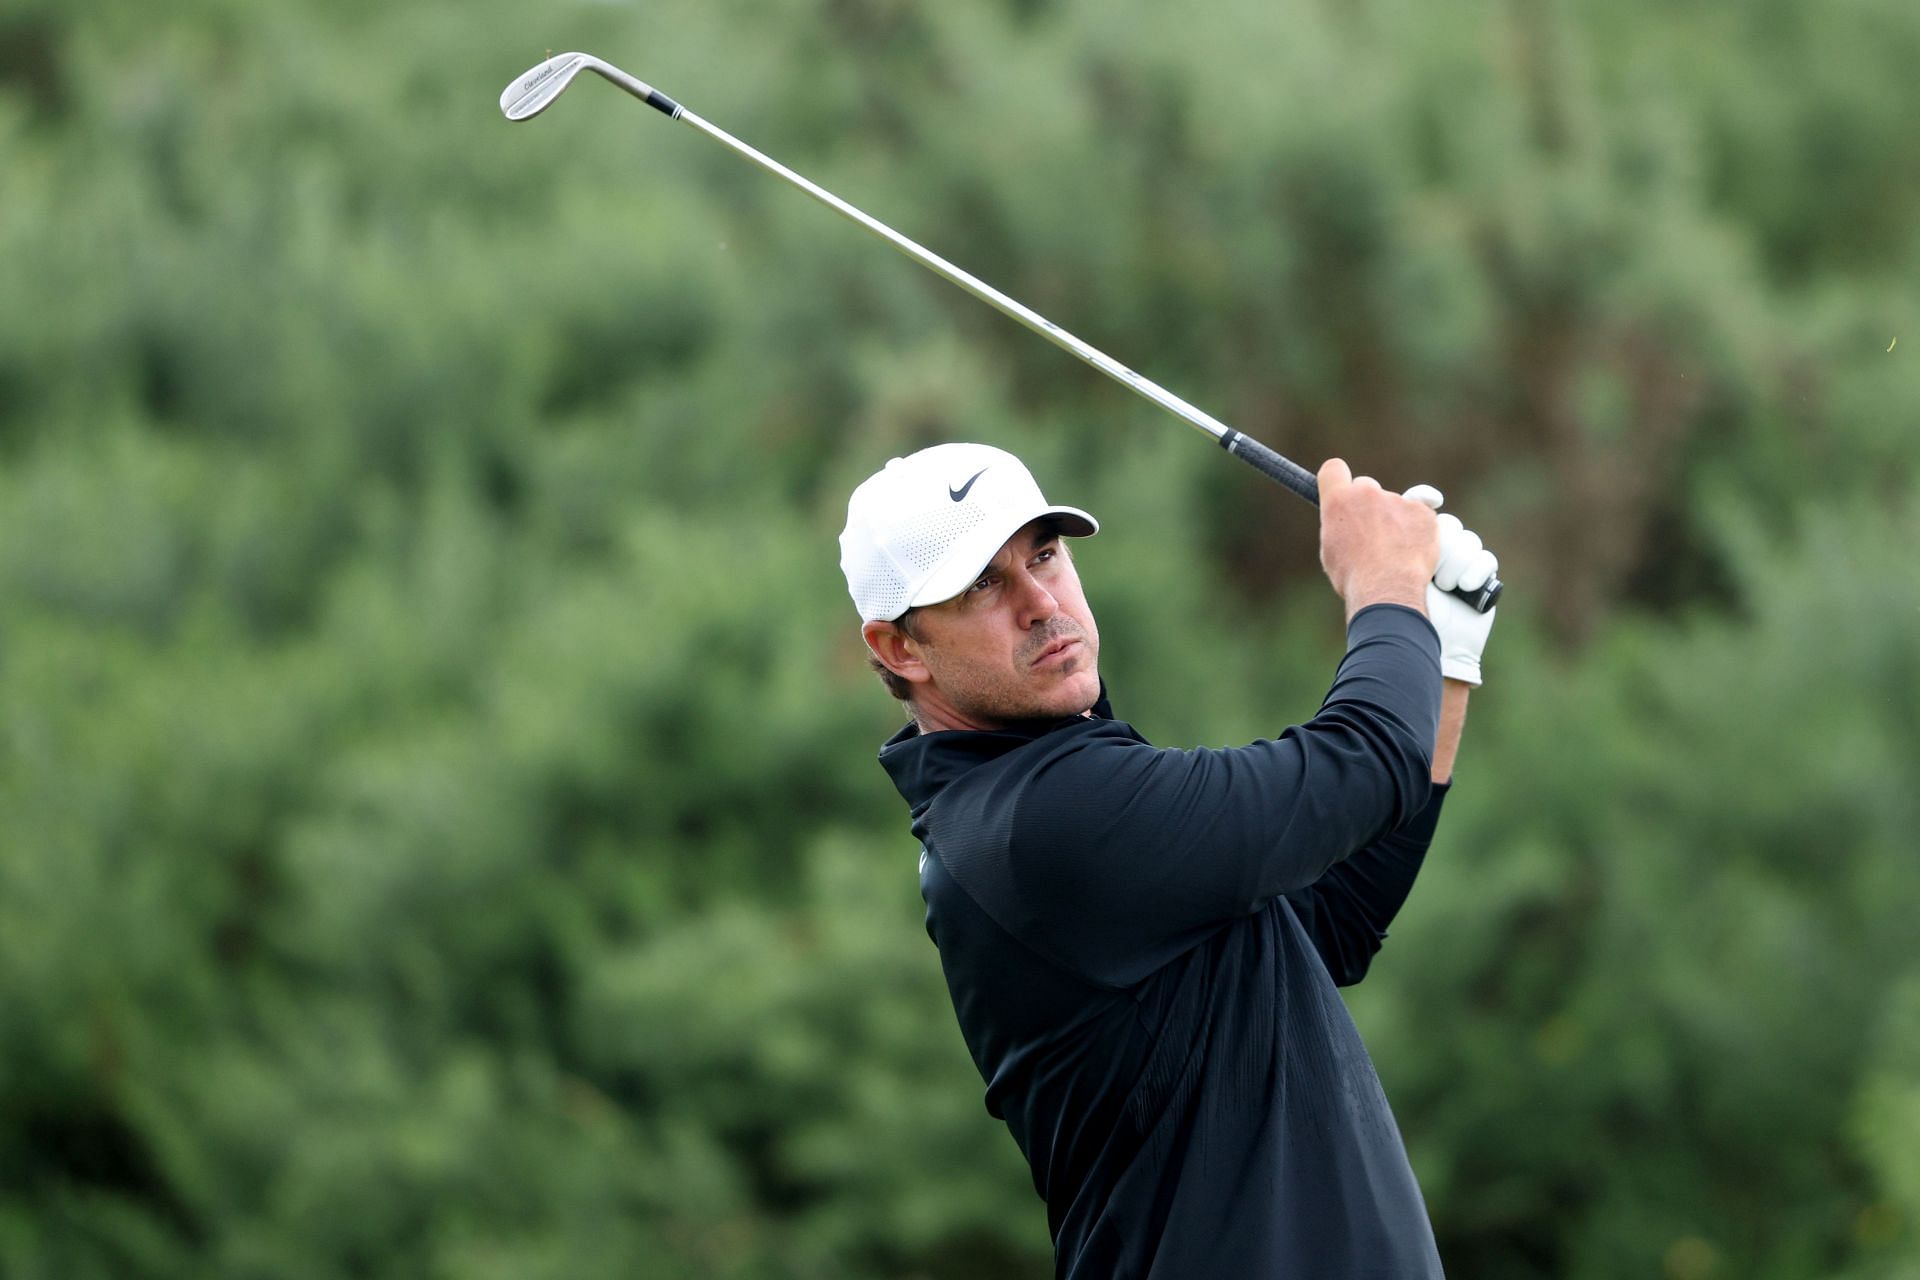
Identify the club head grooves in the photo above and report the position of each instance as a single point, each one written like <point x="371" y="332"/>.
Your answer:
<point x="535" y="89"/>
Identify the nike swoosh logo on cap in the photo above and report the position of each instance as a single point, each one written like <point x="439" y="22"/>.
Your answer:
<point x="960" y="494"/>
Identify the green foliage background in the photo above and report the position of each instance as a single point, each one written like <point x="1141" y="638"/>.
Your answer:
<point x="438" y="832"/>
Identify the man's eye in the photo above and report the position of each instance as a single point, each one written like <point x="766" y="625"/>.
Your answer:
<point x="981" y="585"/>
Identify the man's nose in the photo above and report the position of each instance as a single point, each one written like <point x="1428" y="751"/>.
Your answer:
<point x="1036" y="603"/>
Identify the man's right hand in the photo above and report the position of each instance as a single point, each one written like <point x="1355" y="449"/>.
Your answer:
<point x="1377" y="547"/>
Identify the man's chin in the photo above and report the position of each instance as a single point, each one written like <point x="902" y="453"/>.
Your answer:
<point x="1072" y="693"/>
<point x="1077" y="692"/>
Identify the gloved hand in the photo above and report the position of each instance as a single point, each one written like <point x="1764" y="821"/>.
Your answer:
<point x="1463" y="563"/>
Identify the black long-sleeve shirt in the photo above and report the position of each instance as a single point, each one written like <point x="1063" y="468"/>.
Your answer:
<point x="1142" y="947"/>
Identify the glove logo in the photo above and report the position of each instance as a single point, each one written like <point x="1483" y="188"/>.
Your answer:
<point x="959" y="495"/>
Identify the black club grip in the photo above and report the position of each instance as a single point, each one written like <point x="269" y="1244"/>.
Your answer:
<point x="1292" y="475"/>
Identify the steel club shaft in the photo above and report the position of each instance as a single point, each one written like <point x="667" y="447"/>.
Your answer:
<point x="535" y="90"/>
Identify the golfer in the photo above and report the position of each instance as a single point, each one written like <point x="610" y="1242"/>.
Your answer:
<point x="1142" y="944"/>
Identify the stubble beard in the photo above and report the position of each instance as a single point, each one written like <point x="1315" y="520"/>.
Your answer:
<point x="1009" y="699"/>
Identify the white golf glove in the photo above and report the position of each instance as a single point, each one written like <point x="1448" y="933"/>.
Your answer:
<point x="1463" y="563"/>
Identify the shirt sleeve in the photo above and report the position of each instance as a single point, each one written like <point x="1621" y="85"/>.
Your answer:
<point x="1128" y="855"/>
<point x="1346" y="911"/>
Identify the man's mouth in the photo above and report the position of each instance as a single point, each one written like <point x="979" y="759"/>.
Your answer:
<point x="1056" y="652"/>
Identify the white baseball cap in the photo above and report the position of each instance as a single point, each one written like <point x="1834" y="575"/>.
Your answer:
<point x="921" y="529"/>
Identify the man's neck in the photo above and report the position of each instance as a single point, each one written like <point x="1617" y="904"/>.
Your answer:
<point x="933" y="722"/>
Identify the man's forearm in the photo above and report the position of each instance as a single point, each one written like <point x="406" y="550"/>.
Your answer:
<point x="1453" y="718"/>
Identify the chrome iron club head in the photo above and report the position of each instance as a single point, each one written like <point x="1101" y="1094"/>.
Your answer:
<point x="534" y="90"/>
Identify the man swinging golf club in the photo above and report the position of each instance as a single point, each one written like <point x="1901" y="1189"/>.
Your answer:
<point x="1141" y="944"/>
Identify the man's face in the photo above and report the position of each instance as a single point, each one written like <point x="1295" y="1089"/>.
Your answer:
<point x="1019" y="644"/>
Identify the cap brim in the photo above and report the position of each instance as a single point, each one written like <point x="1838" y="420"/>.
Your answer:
<point x="962" y="567"/>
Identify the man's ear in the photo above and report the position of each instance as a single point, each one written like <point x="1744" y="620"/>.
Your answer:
<point x="897" y="651"/>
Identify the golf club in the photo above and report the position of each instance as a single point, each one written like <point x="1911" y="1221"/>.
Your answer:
<point x="534" y="91"/>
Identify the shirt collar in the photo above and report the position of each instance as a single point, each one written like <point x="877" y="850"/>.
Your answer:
<point x="922" y="764"/>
